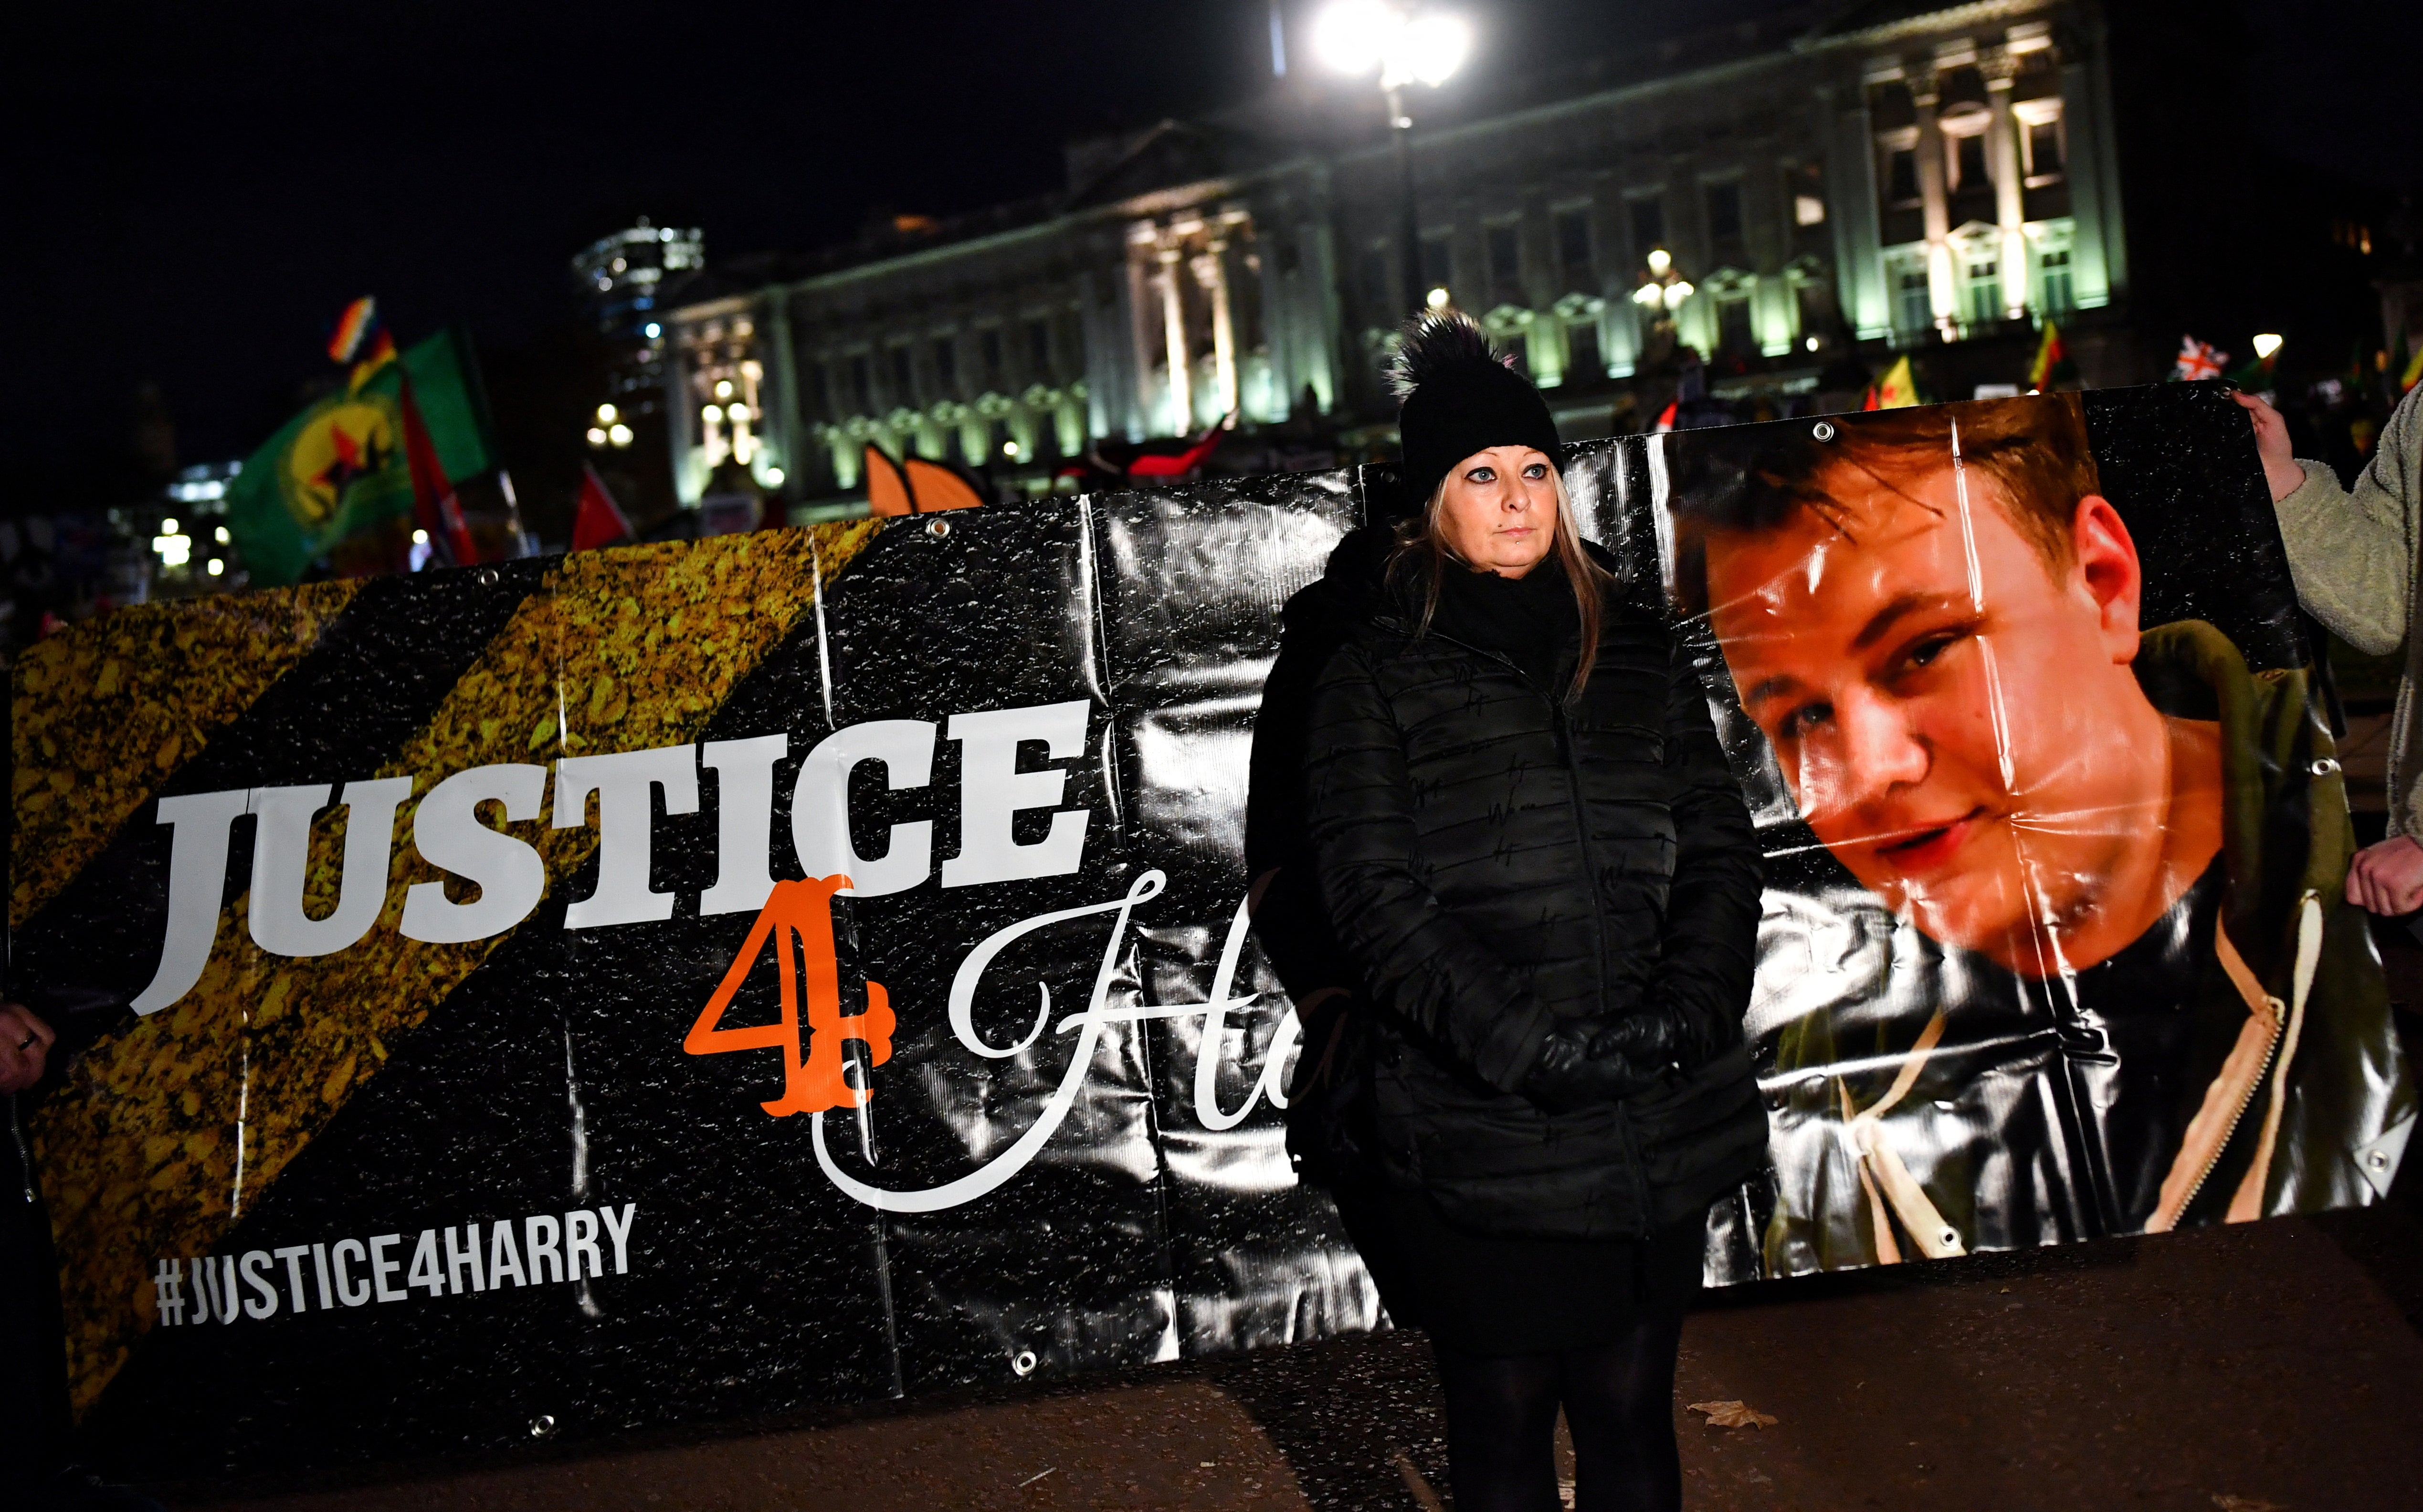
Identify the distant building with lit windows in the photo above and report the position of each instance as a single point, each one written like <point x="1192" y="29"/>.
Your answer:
<point x="1778" y="197"/>
<point x="621" y="281"/>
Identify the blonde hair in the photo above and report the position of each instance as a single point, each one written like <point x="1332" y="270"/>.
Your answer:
<point x="1421" y="545"/>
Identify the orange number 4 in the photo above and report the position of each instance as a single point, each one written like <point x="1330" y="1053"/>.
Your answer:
<point x="799" y="916"/>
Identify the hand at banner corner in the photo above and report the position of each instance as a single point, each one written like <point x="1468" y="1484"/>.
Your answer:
<point x="2280" y="469"/>
<point x="24" y="1047"/>
<point x="2388" y="878"/>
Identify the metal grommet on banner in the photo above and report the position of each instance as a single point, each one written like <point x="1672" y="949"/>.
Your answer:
<point x="1823" y="430"/>
<point x="938" y="529"/>
<point x="1025" y="1362"/>
<point x="543" y="1426"/>
<point x="487" y="577"/>
<point x="2378" y="1160"/>
<point x="2324" y="767"/>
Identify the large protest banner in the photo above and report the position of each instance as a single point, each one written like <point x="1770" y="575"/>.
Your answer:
<point x="477" y="1038"/>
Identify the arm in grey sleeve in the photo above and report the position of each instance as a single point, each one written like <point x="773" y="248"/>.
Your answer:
<point x="2352" y="553"/>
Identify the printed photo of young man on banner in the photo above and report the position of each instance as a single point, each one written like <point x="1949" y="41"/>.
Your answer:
<point x="2056" y="944"/>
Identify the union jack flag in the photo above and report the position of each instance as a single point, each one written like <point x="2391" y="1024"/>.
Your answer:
<point x="2197" y="360"/>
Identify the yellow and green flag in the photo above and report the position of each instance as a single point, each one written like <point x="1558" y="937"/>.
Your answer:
<point x="2052" y="364"/>
<point x="338" y="469"/>
<point x="1898" y="389"/>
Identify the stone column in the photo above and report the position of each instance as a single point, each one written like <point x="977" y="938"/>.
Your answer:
<point x="2010" y="205"/>
<point x="2098" y="269"/>
<point x="786" y="423"/>
<point x="1279" y="318"/>
<point x="1173" y="330"/>
<point x="1211" y="272"/>
<point x="1851" y="211"/>
<point x="1943" y="288"/>
<point x="680" y="416"/>
<point x="1138" y="296"/>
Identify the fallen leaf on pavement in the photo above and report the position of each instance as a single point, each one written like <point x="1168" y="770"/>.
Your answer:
<point x="1736" y="1415"/>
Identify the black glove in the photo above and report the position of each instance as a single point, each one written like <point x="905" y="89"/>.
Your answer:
<point x="1651" y="1043"/>
<point x="1596" y="1058"/>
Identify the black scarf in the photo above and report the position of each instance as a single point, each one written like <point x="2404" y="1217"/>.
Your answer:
<point x="1531" y="620"/>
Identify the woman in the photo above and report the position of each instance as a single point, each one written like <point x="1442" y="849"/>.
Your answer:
<point x="1544" y="891"/>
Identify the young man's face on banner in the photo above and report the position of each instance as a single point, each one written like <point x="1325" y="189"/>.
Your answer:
<point x="1952" y="704"/>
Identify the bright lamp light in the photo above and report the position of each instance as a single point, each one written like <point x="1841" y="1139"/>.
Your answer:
<point x="2265" y="345"/>
<point x="1434" y="48"/>
<point x="1659" y="261"/>
<point x="1353" y="35"/>
<point x="1356" y="36"/>
<point x="1649" y="294"/>
<point x="1677" y="292"/>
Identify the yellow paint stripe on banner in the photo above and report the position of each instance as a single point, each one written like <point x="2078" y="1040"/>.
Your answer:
<point x="106" y="713"/>
<point x="167" y="1135"/>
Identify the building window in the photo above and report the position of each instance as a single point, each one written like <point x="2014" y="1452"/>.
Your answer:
<point x="2042" y="145"/>
<point x="1969" y="162"/>
<point x="1804" y="190"/>
<point x="2053" y="278"/>
<point x="1506" y="262"/>
<point x="1809" y="303"/>
<point x="1984" y="304"/>
<point x="1574" y="246"/>
<point x="1913" y="308"/>
<point x="904" y="377"/>
<point x="862" y="384"/>
<point x="1733" y="334"/>
<point x="1648" y="225"/>
<point x="1901" y="176"/>
<point x="991" y="344"/>
<point x="1724" y="211"/>
<point x="1038" y="350"/>
<point x="1375" y="277"/>
<point x="1583" y="364"/>
<point x="1287" y="257"/>
<point x="1439" y="262"/>
<point x="946" y="365"/>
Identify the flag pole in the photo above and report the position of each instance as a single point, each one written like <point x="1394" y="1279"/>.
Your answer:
<point x="523" y="544"/>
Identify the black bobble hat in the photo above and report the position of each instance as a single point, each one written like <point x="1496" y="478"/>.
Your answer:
<point x="1460" y="396"/>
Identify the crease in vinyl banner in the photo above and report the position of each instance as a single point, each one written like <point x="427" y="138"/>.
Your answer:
<point x="1088" y="1023"/>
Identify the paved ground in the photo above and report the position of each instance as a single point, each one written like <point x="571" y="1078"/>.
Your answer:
<point x="2271" y="1365"/>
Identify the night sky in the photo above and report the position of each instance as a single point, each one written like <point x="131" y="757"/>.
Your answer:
<point x="194" y="190"/>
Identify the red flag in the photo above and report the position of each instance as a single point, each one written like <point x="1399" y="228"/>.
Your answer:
<point x="434" y="508"/>
<point x="1176" y="464"/>
<point x="596" y="521"/>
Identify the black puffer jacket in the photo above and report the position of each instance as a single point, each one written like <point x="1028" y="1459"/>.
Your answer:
<point x="1492" y="859"/>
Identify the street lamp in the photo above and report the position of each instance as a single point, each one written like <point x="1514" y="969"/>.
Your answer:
<point x="1355" y="37"/>
<point x="1663" y="289"/>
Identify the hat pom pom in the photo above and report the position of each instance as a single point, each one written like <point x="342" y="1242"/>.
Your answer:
<point x="1437" y="340"/>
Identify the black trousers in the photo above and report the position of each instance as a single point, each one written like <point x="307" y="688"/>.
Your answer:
<point x="35" y="1423"/>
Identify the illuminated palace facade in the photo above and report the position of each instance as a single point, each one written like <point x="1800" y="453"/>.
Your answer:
<point x="1895" y="180"/>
